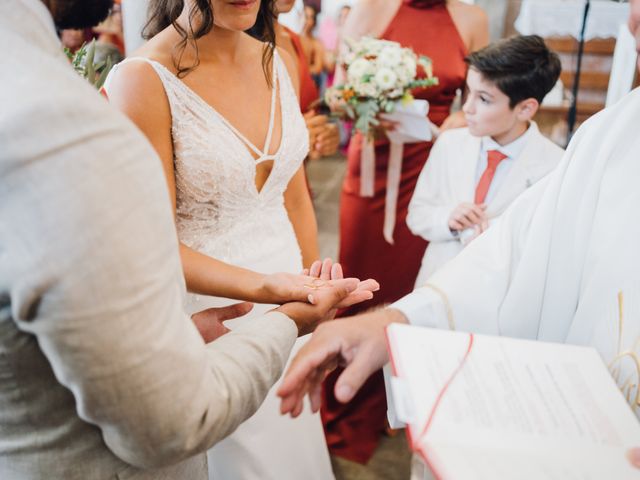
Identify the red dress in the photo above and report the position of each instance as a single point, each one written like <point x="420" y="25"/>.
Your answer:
<point x="353" y="430"/>
<point x="308" y="89"/>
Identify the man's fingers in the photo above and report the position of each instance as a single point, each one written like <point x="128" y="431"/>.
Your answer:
<point x="353" y="376"/>
<point x="312" y="356"/>
<point x="315" y="397"/>
<point x="369" y="284"/>
<point x="230" y="312"/>
<point x="355" y="298"/>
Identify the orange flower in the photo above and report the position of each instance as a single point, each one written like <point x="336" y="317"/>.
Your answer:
<point x="348" y="94"/>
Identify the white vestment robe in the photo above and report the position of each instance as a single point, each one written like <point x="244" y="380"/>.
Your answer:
<point x="553" y="265"/>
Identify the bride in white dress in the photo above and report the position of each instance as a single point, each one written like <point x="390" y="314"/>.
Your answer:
<point x="221" y="109"/>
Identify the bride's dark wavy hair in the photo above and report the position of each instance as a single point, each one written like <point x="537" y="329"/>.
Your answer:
<point x="162" y="13"/>
<point x="424" y="3"/>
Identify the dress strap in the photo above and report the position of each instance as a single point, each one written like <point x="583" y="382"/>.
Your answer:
<point x="272" y="113"/>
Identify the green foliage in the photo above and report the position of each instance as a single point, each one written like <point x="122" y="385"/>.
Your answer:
<point x="83" y="62"/>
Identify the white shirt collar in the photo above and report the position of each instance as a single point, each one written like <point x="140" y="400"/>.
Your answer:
<point x="511" y="150"/>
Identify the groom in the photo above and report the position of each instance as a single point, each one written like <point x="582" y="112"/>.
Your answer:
<point x="551" y="269"/>
<point x="102" y="375"/>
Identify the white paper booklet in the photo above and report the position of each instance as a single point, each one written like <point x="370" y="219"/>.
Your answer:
<point x="482" y="407"/>
<point x="413" y="125"/>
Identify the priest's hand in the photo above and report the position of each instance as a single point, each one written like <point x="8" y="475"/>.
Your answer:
<point x="469" y="215"/>
<point x="209" y="321"/>
<point x="327" y="270"/>
<point x="322" y="306"/>
<point x="358" y="343"/>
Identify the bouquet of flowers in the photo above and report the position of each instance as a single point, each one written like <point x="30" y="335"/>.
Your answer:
<point x="380" y="74"/>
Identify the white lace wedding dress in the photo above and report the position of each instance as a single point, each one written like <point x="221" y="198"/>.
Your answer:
<point x="221" y="213"/>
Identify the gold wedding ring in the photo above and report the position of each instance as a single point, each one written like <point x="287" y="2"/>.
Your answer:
<point x="315" y="284"/>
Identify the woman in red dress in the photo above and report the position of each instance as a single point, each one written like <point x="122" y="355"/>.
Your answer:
<point x="324" y="136"/>
<point x="445" y="32"/>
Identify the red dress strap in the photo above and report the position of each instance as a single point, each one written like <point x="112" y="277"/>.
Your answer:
<point x="308" y="90"/>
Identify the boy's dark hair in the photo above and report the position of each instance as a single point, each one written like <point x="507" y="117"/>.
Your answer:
<point x="521" y="67"/>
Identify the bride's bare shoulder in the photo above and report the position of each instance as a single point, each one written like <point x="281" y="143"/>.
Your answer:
<point x="135" y="88"/>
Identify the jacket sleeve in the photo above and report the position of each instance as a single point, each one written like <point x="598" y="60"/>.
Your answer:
<point x="96" y="279"/>
<point x="429" y="210"/>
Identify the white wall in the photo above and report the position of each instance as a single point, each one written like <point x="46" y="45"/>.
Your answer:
<point x="331" y="7"/>
<point x="134" y="16"/>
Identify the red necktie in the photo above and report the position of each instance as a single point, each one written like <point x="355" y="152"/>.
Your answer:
<point x="494" y="157"/>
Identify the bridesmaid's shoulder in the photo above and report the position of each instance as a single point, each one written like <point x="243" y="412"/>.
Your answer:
<point x="474" y="13"/>
<point x="472" y="23"/>
<point x="370" y="17"/>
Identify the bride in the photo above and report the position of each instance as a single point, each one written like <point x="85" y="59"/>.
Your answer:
<point x="221" y="109"/>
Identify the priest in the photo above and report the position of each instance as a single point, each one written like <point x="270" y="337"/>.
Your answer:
<point x="562" y="265"/>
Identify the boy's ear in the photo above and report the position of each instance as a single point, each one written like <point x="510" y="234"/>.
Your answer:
<point x="527" y="108"/>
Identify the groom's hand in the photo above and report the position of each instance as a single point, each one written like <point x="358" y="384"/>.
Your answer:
<point x="358" y="342"/>
<point x="322" y="304"/>
<point x="329" y="271"/>
<point x="209" y="322"/>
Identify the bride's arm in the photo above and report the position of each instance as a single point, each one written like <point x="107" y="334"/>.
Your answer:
<point x="297" y="201"/>
<point x="138" y="92"/>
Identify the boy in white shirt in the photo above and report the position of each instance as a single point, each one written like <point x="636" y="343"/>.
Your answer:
<point x="474" y="173"/>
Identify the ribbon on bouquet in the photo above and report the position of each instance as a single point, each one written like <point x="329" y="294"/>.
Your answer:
<point x="412" y="125"/>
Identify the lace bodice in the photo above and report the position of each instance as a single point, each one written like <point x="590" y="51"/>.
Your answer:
<point x="220" y="212"/>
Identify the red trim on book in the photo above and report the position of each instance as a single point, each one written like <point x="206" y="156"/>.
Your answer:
<point x="418" y="444"/>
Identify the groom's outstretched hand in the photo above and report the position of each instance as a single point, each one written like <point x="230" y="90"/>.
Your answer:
<point x="358" y="343"/>
<point x="321" y="305"/>
<point x="329" y="271"/>
<point x="209" y="321"/>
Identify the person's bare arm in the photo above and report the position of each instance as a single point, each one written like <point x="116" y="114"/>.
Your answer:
<point x="367" y="18"/>
<point x="317" y="58"/>
<point x="300" y="210"/>
<point x="473" y="25"/>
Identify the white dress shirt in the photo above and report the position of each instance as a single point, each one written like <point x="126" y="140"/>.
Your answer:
<point x="425" y="306"/>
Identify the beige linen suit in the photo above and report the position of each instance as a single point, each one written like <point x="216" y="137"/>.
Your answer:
<point x="102" y="375"/>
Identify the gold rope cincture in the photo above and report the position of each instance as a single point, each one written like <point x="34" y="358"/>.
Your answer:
<point x="627" y="386"/>
<point x="447" y="305"/>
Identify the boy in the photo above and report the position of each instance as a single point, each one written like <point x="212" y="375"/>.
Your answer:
<point x="474" y="173"/>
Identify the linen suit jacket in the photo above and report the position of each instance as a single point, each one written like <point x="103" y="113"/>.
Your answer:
<point x="102" y="375"/>
<point x="449" y="178"/>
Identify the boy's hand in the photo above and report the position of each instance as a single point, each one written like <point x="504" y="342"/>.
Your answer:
<point x="466" y="215"/>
